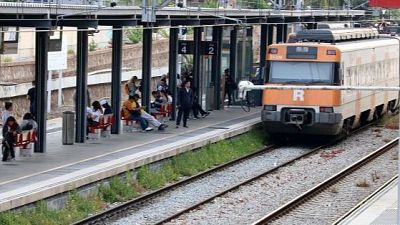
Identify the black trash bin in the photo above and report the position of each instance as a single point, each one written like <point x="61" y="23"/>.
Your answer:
<point x="68" y="128"/>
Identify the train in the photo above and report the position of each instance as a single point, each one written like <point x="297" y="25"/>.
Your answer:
<point x="344" y="57"/>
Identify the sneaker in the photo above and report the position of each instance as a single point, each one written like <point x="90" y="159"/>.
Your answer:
<point x="196" y="118"/>
<point x="177" y="126"/>
<point x="206" y="114"/>
<point x="185" y="126"/>
<point x="148" y="129"/>
<point x="161" y="127"/>
<point x="165" y="125"/>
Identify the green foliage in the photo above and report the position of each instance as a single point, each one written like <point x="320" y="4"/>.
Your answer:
<point x="118" y="189"/>
<point x="163" y="33"/>
<point x="7" y="59"/>
<point x="134" y="35"/>
<point x="92" y="46"/>
<point x="210" y="4"/>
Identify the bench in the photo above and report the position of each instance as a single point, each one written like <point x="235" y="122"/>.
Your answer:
<point x="103" y="129"/>
<point x="24" y="142"/>
<point x="129" y="126"/>
<point x="165" y="111"/>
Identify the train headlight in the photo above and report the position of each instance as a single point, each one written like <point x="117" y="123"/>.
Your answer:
<point x="270" y="107"/>
<point x="326" y="109"/>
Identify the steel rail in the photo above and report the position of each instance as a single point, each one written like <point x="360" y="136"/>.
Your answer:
<point x="138" y="201"/>
<point x="365" y="200"/>
<point x="285" y="209"/>
<point x="120" y="209"/>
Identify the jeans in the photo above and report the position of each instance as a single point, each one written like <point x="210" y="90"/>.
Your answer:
<point x="141" y="120"/>
<point x="150" y="119"/>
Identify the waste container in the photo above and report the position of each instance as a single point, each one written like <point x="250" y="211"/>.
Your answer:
<point x="68" y="128"/>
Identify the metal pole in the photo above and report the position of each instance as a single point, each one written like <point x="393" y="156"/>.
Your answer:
<point x="284" y="33"/>
<point x="196" y="60"/>
<point x="232" y="53"/>
<point x="263" y="50"/>
<point x="173" y="56"/>
<point x="116" y="77"/>
<point x="270" y="36"/>
<point x="279" y="33"/>
<point x="49" y="92"/>
<point x="60" y="87"/>
<point x="244" y="39"/>
<point x="81" y="86"/>
<point x="146" y="67"/>
<point x="216" y="66"/>
<point x="41" y="49"/>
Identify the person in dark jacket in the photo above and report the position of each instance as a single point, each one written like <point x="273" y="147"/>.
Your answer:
<point x="230" y="86"/>
<point x="10" y="130"/>
<point x="185" y="102"/>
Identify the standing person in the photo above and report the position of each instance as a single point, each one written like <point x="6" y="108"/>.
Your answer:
<point x="131" y="87"/>
<point x="185" y="102"/>
<point x="230" y="86"/>
<point x="31" y="96"/>
<point x="7" y="112"/>
<point x="10" y="130"/>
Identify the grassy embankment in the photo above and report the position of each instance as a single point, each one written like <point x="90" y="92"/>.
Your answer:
<point x="120" y="190"/>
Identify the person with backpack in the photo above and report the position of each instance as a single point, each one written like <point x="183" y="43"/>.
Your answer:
<point x="10" y="130"/>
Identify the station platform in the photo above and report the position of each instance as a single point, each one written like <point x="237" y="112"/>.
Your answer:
<point x="380" y="209"/>
<point x="66" y="167"/>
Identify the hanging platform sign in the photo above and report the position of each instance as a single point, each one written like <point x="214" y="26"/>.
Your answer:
<point x="57" y="55"/>
<point x="206" y="47"/>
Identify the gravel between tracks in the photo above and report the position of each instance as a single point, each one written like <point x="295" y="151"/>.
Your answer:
<point x="168" y="204"/>
<point x="329" y="205"/>
<point x="253" y="201"/>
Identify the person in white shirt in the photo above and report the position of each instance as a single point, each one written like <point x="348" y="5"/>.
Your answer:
<point x="7" y="112"/>
<point x="94" y="114"/>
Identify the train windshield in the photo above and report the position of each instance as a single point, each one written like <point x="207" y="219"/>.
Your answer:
<point x="302" y="72"/>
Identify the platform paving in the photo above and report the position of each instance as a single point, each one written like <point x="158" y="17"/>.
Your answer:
<point x="65" y="167"/>
<point x="380" y="210"/>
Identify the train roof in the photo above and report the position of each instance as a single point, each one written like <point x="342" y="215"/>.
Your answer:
<point x="337" y="35"/>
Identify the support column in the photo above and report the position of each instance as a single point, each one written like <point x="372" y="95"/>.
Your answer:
<point x="263" y="50"/>
<point x="41" y="49"/>
<point x="284" y="33"/>
<point x="279" y="33"/>
<point x="146" y="67"/>
<point x="81" y="98"/>
<point x="216" y="66"/>
<point x="116" y="66"/>
<point x="233" y="53"/>
<point x="173" y="60"/>
<point x="196" y="60"/>
<point x="270" y="35"/>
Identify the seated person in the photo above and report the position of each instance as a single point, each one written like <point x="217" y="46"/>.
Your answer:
<point x="28" y="123"/>
<point x="107" y="107"/>
<point x="132" y="111"/>
<point x="165" y="97"/>
<point x="155" y="106"/>
<point x="94" y="114"/>
<point x="134" y="105"/>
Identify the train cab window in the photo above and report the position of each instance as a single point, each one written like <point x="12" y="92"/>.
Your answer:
<point x="302" y="72"/>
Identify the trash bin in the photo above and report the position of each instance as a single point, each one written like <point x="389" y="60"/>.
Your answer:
<point x="68" y="128"/>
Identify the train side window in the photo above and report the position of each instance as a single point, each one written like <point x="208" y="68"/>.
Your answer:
<point x="338" y="79"/>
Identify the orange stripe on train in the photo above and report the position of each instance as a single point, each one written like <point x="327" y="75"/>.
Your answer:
<point x="302" y="97"/>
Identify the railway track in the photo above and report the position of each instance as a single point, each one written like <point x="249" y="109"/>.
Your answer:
<point x="307" y="196"/>
<point x="124" y="208"/>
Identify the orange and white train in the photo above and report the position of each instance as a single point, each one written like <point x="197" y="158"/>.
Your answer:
<point x="350" y="57"/>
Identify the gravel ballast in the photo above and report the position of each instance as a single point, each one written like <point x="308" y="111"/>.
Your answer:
<point x="253" y="201"/>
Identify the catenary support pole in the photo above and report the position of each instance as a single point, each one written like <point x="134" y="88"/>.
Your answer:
<point x="146" y="67"/>
<point x="216" y="66"/>
<point x="41" y="49"/>
<point x="172" y="67"/>
<point x="116" y="78"/>
<point x="81" y="98"/>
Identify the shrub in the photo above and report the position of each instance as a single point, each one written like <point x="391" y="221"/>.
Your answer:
<point x="134" y="35"/>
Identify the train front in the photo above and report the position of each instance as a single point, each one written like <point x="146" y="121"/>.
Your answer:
<point x="302" y="111"/>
